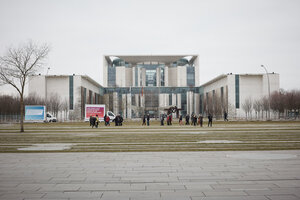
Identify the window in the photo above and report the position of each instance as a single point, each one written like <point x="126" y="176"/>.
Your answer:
<point x="151" y="77"/>
<point x="190" y="76"/>
<point x="111" y="76"/>
<point x="71" y="92"/>
<point x="237" y="91"/>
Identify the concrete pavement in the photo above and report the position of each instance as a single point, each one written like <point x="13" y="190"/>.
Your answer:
<point x="256" y="175"/>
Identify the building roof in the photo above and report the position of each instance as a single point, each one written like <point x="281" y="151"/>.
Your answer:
<point x="83" y="76"/>
<point x="134" y="59"/>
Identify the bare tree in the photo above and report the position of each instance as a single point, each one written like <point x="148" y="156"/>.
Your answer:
<point x="65" y="108"/>
<point x="257" y="108"/>
<point x="54" y="104"/>
<point x="277" y="102"/>
<point x="19" y="63"/>
<point x="247" y="107"/>
<point x="265" y="105"/>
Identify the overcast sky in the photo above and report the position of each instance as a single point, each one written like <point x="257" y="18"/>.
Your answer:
<point x="235" y="36"/>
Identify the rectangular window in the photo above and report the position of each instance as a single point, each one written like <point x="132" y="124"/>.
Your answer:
<point x="162" y="77"/>
<point x="237" y="91"/>
<point x="170" y="99"/>
<point x="190" y="76"/>
<point x="136" y="76"/>
<point x="71" y="92"/>
<point x="111" y="76"/>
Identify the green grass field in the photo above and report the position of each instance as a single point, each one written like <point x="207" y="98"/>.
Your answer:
<point x="132" y="137"/>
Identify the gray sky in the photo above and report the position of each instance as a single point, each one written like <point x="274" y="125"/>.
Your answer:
<point x="229" y="35"/>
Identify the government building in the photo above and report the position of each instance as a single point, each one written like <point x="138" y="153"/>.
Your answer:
<point x="134" y="85"/>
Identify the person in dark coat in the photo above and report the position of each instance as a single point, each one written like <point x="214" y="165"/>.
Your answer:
<point x="201" y="120"/>
<point x="187" y="119"/>
<point x="117" y="120"/>
<point x="162" y="118"/>
<point x="210" y="118"/>
<point x="121" y="120"/>
<point x="180" y="120"/>
<point x="168" y="120"/>
<point x="225" y="116"/>
<point x="194" y="120"/>
<point x="144" y="120"/>
<point x="91" y="120"/>
<point x="148" y="120"/>
<point x="104" y="118"/>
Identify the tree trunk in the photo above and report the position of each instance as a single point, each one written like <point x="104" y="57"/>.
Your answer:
<point x="22" y="114"/>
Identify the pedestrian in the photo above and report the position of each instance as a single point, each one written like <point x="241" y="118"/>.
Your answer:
<point x="194" y="120"/>
<point x="201" y="120"/>
<point x="187" y="119"/>
<point x="210" y="118"/>
<point x="144" y="120"/>
<point x="121" y="120"/>
<point x="117" y="120"/>
<point x="225" y="116"/>
<point x="162" y="118"/>
<point x="107" y="119"/>
<point x="168" y="120"/>
<point x="148" y="119"/>
<point x="91" y="120"/>
<point x="104" y="119"/>
<point x="97" y="121"/>
<point x="180" y="120"/>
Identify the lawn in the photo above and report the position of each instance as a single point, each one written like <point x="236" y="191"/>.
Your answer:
<point x="132" y="137"/>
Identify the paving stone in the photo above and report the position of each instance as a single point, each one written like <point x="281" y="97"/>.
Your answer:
<point x="150" y="175"/>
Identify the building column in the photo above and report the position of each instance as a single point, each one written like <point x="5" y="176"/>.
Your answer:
<point x="166" y="76"/>
<point x="158" y="76"/>
<point x="124" y="105"/>
<point x="128" y="106"/>
<point x="179" y="102"/>
<point x="115" y="103"/>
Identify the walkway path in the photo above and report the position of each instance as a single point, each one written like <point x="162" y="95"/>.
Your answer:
<point x="264" y="175"/>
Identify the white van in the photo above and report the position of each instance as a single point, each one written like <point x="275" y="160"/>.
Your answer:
<point x="111" y="115"/>
<point x="50" y="118"/>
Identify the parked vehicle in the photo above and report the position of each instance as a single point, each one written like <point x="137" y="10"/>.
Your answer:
<point x="50" y="118"/>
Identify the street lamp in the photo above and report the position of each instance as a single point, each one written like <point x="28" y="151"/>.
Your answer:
<point x="268" y="88"/>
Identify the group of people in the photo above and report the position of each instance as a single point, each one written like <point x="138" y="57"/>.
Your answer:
<point x="194" y="120"/>
<point x="118" y="120"/>
<point x="94" y="121"/>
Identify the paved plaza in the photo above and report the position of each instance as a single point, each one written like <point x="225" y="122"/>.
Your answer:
<point x="219" y="175"/>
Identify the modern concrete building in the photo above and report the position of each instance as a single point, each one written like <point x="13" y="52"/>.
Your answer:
<point x="136" y="85"/>
<point x="73" y="90"/>
<point x="229" y="92"/>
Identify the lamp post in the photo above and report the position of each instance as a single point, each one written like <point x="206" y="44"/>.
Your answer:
<point x="268" y="89"/>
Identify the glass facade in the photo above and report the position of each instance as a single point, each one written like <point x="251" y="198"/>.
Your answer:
<point x="237" y="91"/>
<point x="111" y="76"/>
<point x="71" y="92"/>
<point x="190" y="76"/>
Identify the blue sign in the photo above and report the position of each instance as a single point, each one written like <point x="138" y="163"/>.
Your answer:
<point x="35" y="113"/>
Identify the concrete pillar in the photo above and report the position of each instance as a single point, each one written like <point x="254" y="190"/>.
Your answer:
<point x="133" y="75"/>
<point x="124" y="105"/>
<point x="179" y="102"/>
<point x="136" y="96"/>
<point x="166" y="76"/>
<point x="197" y="104"/>
<point x="115" y="103"/>
<point x="190" y="102"/>
<point x="143" y="72"/>
<point x="128" y="106"/>
<point x="158" y="76"/>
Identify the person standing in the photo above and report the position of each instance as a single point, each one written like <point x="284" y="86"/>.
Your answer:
<point x="148" y="119"/>
<point x="210" y="120"/>
<point x="201" y="120"/>
<point x="180" y="120"/>
<point x="194" y="120"/>
<point x="144" y="120"/>
<point x="168" y="120"/>
<point x="187" y="119"/>
<point x="97" y="121"/>
<point x="225" y="116"/>
<point x="107" y="119"/>
<point x="162" y="118"/>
